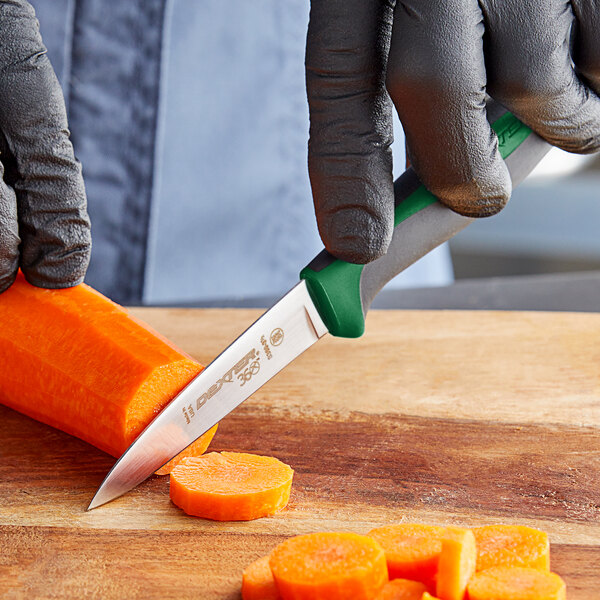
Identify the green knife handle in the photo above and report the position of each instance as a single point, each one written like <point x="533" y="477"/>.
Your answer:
<point x="343" y="292"/>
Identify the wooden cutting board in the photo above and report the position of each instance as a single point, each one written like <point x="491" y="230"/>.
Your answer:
<point x="438" y="417"/>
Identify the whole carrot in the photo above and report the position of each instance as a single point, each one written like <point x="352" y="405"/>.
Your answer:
<point x="77" y="361"/>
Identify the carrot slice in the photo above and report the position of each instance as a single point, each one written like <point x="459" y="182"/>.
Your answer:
<point x="512" y="545"/>
<point x="457" y="563"/>
<point x="402" y="589"/>
<point x="412" y="550"/>
<point x="73" y="359"/>
<point x="522" y="583"/>
<point x="428" y="596"/>
<point x="231" y="486"/>
<point x="329" y="566"/>
<point x="258" y="582"/>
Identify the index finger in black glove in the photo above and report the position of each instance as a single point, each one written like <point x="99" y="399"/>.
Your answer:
<point x="51" y="203"/>
<point x="349" y="156"/>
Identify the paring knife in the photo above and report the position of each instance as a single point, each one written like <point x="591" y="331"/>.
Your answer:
<point x="333" y="297"/>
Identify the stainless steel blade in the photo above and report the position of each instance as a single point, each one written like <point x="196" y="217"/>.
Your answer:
<point x="285" y="331"/>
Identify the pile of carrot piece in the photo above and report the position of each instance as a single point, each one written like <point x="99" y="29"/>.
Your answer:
<point x="408" y="561"/>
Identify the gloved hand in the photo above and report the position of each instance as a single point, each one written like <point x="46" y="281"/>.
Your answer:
<point x="438" y="58"/>
<point x="42" y="197"/>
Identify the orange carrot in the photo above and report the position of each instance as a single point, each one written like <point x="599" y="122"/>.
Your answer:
<point x="457" y="563"/>
<point x="428" y="596"/>
<point x="258" y="582"/>
<point x="75" y="360"/>
<point x="329" y="566"/>
<point x="402" y="589"/>
<point x="521" y="583"/>
<point x="512" y="545"/>
<point x="412" y="550"/>
<point x="231" y="486"/>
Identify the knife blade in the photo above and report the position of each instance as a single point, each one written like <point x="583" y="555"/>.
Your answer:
<point x="332" y="297"/>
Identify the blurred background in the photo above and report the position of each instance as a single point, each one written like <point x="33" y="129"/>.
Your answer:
<point x="190" y="120"/>
<point x="549" y="226"/>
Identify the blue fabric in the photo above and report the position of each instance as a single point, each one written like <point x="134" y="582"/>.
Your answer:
<point x="232" y="211"/>
<point x="190" y="120"/>
<point x="113" y="106"/>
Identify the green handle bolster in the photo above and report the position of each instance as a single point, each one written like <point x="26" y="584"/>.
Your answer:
<point x="335" y="288"/>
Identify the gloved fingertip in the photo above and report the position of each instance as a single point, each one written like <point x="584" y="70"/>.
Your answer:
<point x="356" y="236"/>
<point x="482" y="196"/>
<point x="58" y="269"/>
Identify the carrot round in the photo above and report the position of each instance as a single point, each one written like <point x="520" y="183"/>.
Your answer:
<point x="412" y="550"/>
<point x="516" y="583"/>
<point x="457" y="563"/>
<point x="231" y="486"/>
<point x="329" y="566"/>
<point x="402" y="589"/>
<point x="258" y="582"/>
<point x="512" y="545"/>
<point x="73" y="359"/>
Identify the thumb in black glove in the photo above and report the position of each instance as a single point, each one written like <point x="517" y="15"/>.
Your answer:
<point x="44" y="226"/>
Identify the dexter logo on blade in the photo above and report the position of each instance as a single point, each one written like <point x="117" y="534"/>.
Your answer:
<point x="243" y="371"/>
<point x="276" y="338"/>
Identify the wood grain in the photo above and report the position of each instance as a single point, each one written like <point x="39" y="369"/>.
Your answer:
<point x="463" y="418"/>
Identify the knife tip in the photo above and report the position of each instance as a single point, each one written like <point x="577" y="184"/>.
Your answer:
<point x="99" y="499"/>
<point x="93" y="504"/>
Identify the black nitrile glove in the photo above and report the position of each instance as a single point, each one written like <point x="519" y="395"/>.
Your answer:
<point x="44" y="226"/>
<point x="438" y="58"/>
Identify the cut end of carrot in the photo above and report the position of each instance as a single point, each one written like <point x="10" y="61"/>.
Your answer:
<point x="512" y="545"/>
<point x="197" y="448"/>
<point x="258" y="582"/>
<point x="456" y="564"/>
<point x="154" y="394"/>
<point x="402" y="589"/>
<point x="331" y="566"/>
<point x="231" y="486"/>
<point x="412" y="550"/>
<point x="524" y="583"/>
